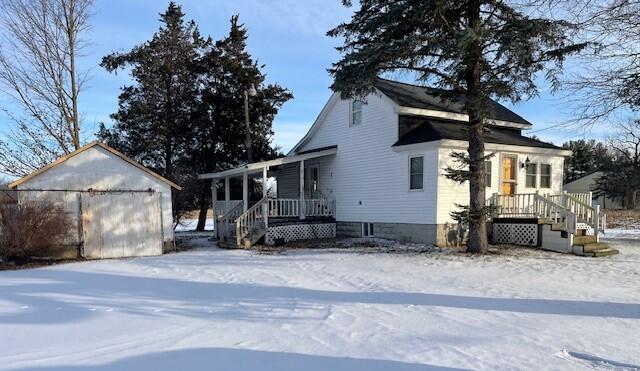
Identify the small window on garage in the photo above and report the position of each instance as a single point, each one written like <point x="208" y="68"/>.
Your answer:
<point x="367" y="230"/>
<point x="416" y="173"/>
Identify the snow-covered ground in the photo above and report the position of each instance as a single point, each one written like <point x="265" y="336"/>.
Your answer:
<point x="212" y="309"/>
<point x="188" y="225"/>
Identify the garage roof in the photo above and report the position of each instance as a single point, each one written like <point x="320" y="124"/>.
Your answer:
<point x="83" y="149"/>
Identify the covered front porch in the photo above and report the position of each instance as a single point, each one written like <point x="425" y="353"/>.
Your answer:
<point x="281" y="200"/>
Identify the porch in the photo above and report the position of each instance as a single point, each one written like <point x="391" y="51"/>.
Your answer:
<point x="566" y="222"/>
<point x="292" y="210"/>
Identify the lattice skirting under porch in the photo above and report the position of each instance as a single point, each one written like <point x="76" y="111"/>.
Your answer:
<point x="589" y="230"/>
<point x="296" y="232"/>
<point x="515" y="234"/>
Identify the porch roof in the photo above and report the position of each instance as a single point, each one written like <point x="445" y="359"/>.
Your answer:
<point x="256" y="167"/>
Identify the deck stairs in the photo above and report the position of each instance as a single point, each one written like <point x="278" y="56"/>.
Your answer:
<point x="572" y="215"/>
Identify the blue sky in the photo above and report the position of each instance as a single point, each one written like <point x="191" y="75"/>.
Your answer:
<point x="286" y="35"/>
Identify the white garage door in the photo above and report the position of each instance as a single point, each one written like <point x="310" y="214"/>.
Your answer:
<point x="116" y="225"/>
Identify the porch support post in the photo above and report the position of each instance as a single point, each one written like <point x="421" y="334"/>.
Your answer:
<point x="214" y="199"/>
<point x="227" y="194"/>
<point x="227" y="197"/>
<point x="265" y="206"/>
<point x="302" y="189"/>
<point x="245" y="190"/>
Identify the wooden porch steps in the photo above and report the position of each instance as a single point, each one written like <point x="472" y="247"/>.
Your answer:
<point x="587" y="246"/>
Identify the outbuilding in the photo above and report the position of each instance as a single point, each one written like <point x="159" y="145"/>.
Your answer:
<point x="118" y="207"/>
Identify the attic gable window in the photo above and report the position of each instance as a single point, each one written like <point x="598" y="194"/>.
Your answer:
<point x="356" y="112"/>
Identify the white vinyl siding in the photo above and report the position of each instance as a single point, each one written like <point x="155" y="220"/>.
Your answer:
<point x="451" y="193"/>
<point x="368" y="180"/>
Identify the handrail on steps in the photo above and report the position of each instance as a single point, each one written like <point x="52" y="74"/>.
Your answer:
<point x="250" y="219"/>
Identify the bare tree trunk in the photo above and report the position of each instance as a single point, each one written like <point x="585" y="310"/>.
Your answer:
<point x="205" y="199"/>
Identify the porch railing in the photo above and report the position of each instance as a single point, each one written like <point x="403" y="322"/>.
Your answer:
<point x="294" y="207"/>
<point x="226" y="223"/>
<point x="566" y="208"/>
<point x="250" y="220"/>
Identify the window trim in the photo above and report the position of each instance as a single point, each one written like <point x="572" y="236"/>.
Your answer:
<point x="527" y="174"/>
<point x="409" y="174"/>
<point x="550" y="176"/>
<point x="352" y="112"/>
<point x="488" y="181"/>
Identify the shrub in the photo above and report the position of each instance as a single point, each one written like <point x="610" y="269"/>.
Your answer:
<point x="28" y="229"/>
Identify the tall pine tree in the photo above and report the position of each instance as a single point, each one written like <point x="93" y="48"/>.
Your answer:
<point x="184" y="115"/>
<point x="485" y="49"/>
<point x="154" y="114"/>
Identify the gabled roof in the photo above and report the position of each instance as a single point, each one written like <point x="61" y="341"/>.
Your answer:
<point x="429" y="130"/>
<point x="414" y="96"/>
<point x="83" y="149"/>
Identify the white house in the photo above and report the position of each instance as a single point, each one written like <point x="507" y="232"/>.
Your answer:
<point x="120" y="207"/>
<point x="376" y="165"/>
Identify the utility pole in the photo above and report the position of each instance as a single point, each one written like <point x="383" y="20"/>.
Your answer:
<point x="251" y="92"/>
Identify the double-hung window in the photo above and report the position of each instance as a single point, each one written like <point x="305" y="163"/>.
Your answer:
<point x="532" y="175"/>
<point x="416" y="173"/>
<point x="545" y="176"/>
<point x="487" y="174"/>
<point x="356" y="112"/>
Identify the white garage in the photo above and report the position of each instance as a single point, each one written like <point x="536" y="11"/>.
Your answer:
<point x="119" y="207"/>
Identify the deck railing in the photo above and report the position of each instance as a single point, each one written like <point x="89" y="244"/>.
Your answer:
<point x="294" y="207"/>
<point x="567" y="208"/>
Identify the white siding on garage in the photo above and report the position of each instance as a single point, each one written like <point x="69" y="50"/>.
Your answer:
<point x="99" y="169"/>
<point x="368" y="180"/>
<point x="451" y="193"/>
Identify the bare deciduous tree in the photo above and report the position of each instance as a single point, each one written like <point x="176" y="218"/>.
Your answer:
<point x="41" y="42"/>
<point x="606" y="86"/>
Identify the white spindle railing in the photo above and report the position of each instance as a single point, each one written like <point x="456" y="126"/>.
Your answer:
<point x="566" y="208"/>
<point x="225" y="223"/>
<point x="516" y="205"/>
<point x="319" y="207"/>
<point x="250" y="220"/>
<point x="294" y="207"/>
<point x="284" y="207"/>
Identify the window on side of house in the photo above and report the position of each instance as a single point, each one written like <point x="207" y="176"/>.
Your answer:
<point x="487" y="176"/>
<point x="532" y="175"/>
<point x="367" y="230"/>
<point x="416" y="173"/>
<point x="545" y="176"/>
<point x="356" y="112"/>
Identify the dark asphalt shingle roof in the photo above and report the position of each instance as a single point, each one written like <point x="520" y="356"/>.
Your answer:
<point x="429" y="130"/>
<point x="415" y="96"/>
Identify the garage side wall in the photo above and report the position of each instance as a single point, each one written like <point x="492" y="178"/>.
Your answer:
<point x="99" y="169"/>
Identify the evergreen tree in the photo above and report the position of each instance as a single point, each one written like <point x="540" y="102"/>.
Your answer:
<point x="185" y="115"/>
<point x="154" y="114"/>
<point x="587" y="156"/>
<point x="486" y="49"/>
<point x="219" y="141"/>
